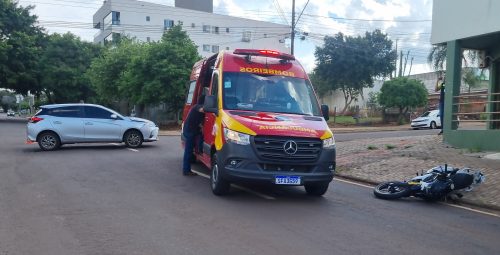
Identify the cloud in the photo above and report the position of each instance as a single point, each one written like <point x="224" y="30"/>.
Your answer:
<point x="413" y="36"/>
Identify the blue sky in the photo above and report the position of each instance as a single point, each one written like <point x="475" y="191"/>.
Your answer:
<point x="407" y="21"/>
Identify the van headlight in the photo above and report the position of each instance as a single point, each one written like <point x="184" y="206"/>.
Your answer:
<point x="329" y="143"/>
<point x="236" y="137"/>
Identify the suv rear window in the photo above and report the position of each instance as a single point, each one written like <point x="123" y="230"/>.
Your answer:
<point x="66" y="112"/>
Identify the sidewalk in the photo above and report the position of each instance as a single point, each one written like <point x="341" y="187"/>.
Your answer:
<point x="401" y="158"/>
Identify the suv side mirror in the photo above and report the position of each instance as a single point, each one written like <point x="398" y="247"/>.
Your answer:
<point x="325" y="111"/>
<point x="210" y="104"/>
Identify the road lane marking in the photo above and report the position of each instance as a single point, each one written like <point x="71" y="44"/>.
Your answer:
<point x="353" y="183"/>
<point x="472" y="210"/>
<point x="239" y="187"/>
<point x="130" y="149"/>
<point x="201" y="174"/>
<point x="448" y="204"/>
<point x="253" y="192"/>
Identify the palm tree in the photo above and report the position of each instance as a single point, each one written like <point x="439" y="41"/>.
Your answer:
<point x="437" y="56"/>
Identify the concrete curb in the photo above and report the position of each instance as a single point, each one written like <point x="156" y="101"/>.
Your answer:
<point x="335" y="131"/>
<point x="359" y="130"/>
<point x="463" y="201"/>
<point x="16" y="120"/>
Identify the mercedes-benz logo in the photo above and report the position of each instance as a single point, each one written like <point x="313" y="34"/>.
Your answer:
<point x="290" y="147"/>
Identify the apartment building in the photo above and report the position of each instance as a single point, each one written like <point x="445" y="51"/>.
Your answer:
<point x="211" y="32"/>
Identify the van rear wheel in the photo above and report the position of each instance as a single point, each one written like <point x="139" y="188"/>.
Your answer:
<point x="219" y="185"/>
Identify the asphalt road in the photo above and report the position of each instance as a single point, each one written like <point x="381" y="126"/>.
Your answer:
<point x="106" y="199"/>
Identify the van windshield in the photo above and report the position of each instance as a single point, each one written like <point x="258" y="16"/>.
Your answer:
<point x="268" y="93"/>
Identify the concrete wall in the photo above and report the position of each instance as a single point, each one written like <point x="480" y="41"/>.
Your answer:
<point x="264" y="35"/>
<point x="336" y="98"/>
<point x="458" y="19"/>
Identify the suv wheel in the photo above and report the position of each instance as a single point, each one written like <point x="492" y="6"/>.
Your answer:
<point x="133" y="139"/>
<point x="48" y="141"/>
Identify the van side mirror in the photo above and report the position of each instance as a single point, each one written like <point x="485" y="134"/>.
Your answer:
<point x="210" y="104"/>
<point x="325" y="111"/>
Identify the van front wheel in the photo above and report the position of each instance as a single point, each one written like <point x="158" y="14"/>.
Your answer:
<point x="219" y="185"/>
<point x="317" y="189"/>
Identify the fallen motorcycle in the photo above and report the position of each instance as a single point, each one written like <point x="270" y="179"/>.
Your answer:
<point x="437" y="183"/>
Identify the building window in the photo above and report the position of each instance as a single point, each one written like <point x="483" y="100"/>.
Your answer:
<point x="116" y="18"/>
<point x="247" y="36"/>
<point x="148" y="18"/>
<point x="227" y="30"/>
<point x="167" y="23"/>
<point x="215" y="30"/>
<point x="206" y="28"/>
<point x="113" y="18"/>
<point x="215" y="48"/>
<point x="206" y="47"/>
<point x="148" y="39"/>
<point x="181" y="23"/>
<point x="193" y="25"/>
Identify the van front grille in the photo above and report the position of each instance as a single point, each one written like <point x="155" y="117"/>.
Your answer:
<point x="273" y="148"/>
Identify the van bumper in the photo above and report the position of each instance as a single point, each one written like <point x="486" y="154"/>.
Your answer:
<point x="240" y="163"/>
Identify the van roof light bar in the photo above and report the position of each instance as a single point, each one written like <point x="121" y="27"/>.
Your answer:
<point x="264" y="53"/>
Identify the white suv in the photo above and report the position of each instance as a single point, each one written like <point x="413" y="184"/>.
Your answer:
<point x="59" y="124"/>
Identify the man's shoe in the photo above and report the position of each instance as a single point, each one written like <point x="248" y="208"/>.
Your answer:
<point x="190" y="173"/>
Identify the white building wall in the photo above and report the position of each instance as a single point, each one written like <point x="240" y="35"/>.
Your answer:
<point x="335" y="99"/>
<point x="458" y="19"/>
<point x="133" y="23"/>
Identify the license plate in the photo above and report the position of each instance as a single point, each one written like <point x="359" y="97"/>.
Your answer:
<point x="288" y="180"/>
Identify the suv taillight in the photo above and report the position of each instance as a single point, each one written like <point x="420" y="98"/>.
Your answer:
<point x="35" y="119"/>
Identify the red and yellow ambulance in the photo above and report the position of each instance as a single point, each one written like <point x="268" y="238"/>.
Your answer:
<point x="263" y="122"/>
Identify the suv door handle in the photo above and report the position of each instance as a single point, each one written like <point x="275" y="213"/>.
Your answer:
<point x="57" y="122"/>
<point x="89" y="123"/>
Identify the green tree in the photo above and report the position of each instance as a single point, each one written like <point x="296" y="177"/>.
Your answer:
<point x="319" y="85"/>
<point x="403" y="93"/>
<point x="146" y="73"/>
<point x="106" y="73"/>
<point x="351" y="63"/>
<point x="7" y="100"/>
<point x="62" y="66"/>
<point x="470" y="78"/>
<point x="20" y="41"/>
<point x="437" y="57"/>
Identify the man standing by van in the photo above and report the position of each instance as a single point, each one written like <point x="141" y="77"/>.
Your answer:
<point x="440" y="86"/>
<point x="192" y="129"/>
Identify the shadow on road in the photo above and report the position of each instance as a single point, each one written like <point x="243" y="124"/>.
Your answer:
<point x="86" y="147"/>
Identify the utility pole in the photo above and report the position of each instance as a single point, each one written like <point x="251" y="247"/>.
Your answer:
<point x="293" y="26"/>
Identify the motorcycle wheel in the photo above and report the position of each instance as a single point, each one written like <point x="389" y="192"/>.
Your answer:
<point x="392" y="190"/>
